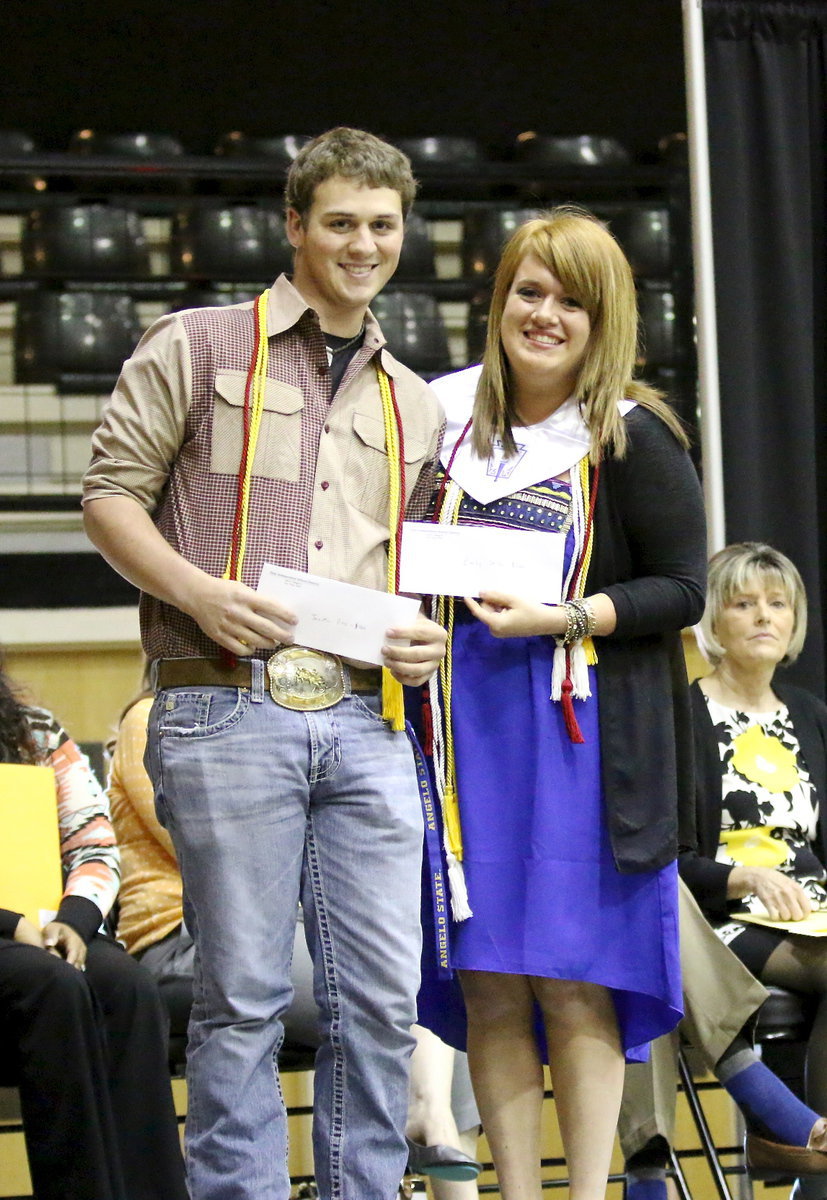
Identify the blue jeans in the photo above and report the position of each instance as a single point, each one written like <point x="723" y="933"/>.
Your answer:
<point x="267" y="806"/>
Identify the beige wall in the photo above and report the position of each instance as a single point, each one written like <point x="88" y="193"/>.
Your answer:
<point x="85" y="688"/>
<point x="696" y="664"/>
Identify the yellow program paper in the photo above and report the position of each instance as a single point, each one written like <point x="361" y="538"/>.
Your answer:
<point x="31" y="880"/>
<point x="814" y="925"/>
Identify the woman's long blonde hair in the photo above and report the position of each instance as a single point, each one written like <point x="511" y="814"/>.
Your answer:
<point x="578" y="249"/>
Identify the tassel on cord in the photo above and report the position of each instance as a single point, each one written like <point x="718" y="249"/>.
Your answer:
<point x="572" y="661"/>
<point x="567" y="705"/>
<point x="460" y="908"/>
<point x="453" y="833"/>
<point x="581" y="685"/>
<point x="449" y="806"/>
<point x="558" y="671"/>
<point x="393" y="701"/>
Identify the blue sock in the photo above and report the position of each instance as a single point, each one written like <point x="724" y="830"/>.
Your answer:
<point x="768" y="1104"/>
<point x="646" y="1183"/>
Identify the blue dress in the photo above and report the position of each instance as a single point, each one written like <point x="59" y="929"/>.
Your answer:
<point x="545" y="894"/>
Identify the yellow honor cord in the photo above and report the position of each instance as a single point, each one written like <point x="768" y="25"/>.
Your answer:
<point x="256" y="409"/>
<point x="393" y="702"/>
<point x="445" y="617"/>
<point x="583" y="472"/>
<point x="450" y="801"/>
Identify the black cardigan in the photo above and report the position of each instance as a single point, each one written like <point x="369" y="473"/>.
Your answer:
<point x="650" y="557"/>
<point x="706" y="878"/>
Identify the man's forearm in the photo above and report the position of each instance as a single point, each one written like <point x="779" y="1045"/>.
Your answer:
<point x="230" y="613"/>
<point x="125" y="535"/>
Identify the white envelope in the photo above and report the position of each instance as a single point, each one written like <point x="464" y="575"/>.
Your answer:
<point x="338" y="617"/>
<point x="463" y="560"/>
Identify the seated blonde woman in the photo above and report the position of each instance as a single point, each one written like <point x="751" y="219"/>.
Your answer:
<point x="761" y="800"/>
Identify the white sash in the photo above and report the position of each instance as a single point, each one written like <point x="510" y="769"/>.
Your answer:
<point x="544" y="451"/>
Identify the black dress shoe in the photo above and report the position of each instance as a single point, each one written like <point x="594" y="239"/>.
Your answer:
<point x="442" y="1161"/>
<point x="775" y="1158"/>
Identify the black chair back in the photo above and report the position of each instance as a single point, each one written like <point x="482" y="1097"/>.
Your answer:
<point x="442" y="162"/>
<point x="15" y="144"/>
<point x="644" y="232"/>
<point x="137" y="160"/>
<point x="417" y="258"/>
<point x="661" y="335"/>
<point x="213" y="297"/>
<point x="485" y="232"/>
<point x="581" y="150"/>
<point x="74" y="340"/>
<point x="141" y="146"/>
<point x="413" y="325"/>
<point x="281" y="149"/>
<point x="477" y="325"/>
<point x="442" y="150"/>
<point x="230" y="243"/>
<point x="84" y="242"/>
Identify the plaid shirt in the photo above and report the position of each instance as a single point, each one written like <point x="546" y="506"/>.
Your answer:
<point x="171" y="438"/>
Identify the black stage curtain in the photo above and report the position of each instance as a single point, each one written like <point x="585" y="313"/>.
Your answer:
<point x="766" y="94"/>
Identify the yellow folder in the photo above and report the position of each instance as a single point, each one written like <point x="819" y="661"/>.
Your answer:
<point x="31" y="880"/>
<point x="814" y="925"/>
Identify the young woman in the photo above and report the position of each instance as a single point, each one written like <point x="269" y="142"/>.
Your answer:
<point x="568" y="770"/>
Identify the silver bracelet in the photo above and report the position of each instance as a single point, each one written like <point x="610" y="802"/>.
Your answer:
<point x="580" y="622"/>
<point x="588" y="613"/>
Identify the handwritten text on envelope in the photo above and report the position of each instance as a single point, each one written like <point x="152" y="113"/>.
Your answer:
<point x="338" y="617"/>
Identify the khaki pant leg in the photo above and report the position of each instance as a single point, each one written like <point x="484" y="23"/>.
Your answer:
<point x="719" y="994"/>
<point x="649" y="1094"/>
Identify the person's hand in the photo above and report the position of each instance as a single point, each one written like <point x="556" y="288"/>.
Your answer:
<point x="782" y="896"/>
<point x="511" y="616"/>
<point x="238" y="618"/>
<point x="64" y="942"/>
<point x="415" y="664"/>
<point x="27" y="933"/>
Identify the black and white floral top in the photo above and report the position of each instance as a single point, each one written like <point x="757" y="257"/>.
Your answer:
<point x="769" y="810"/>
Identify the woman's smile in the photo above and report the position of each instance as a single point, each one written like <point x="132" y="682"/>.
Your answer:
<point x="544" y="332"/>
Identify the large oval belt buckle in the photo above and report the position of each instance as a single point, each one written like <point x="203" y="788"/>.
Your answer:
<point x="305" y="680"/>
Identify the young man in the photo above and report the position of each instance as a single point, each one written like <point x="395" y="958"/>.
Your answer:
<point x="251" y="434"/>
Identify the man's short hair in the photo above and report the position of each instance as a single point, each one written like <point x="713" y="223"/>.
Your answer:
<point x="353" y="154"/>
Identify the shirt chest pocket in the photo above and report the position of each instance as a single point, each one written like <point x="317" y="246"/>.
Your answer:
<point x="278" y="448"/>
<point x="368" y="469"/>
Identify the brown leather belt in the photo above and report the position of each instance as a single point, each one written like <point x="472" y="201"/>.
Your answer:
<point x="212" y="672"/>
